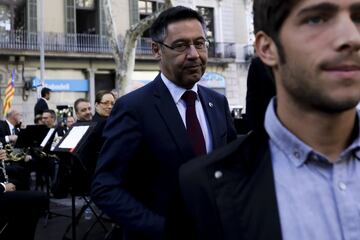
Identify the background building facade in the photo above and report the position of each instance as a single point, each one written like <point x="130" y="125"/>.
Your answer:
<point x="78" y="58"/>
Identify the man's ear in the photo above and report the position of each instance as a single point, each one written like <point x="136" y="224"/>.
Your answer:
<point x="266" y="49"/>
<point x="156" y="50"/>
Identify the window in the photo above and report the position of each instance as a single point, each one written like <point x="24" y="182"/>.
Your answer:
<point x="208" y="15"/>
<point x="146" y="8"/>
<point x="85" y="4"/>
<point x="5" y="18"/>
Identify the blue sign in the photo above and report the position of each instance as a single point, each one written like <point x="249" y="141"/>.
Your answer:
<point x="212" y="79"/>
<point x="61" y="85"/>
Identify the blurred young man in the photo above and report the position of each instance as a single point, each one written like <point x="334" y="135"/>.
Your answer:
<point x="299" y="176"/>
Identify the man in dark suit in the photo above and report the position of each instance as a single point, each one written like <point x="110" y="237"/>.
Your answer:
<point x="148" y="136"/>
<point x="298" y="176"/>
<point x="10" y="127"/>
<point x="41" y="104"/>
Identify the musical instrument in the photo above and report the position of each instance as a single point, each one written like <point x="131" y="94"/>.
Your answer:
<point x="14" y="154"/>
<point x="3" y="168"/>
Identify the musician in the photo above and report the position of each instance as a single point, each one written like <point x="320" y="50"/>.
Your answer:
<point x="82" y="110"/>
<point x="19" y="210"/>
<point x="10" y="127"/>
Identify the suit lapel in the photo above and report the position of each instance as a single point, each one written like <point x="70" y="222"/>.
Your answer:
<point x="170" y="114"/>
<point x="210" y="109"/>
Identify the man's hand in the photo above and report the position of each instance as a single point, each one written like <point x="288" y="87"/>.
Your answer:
<point x="13" y="138"/>
<point x="2" y="154"/>
<point x="9" y="187"/>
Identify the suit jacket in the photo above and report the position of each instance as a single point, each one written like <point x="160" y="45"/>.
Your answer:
<point x="40" y="106"/>
<point x="4" y="131"/>
<point x="146" y="142"/>
<point x="230" y="194"/>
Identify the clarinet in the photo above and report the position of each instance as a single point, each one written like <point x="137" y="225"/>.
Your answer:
<point x="3" y="167"/>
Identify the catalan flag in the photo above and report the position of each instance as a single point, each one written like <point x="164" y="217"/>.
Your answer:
<point x="9" y="93"/>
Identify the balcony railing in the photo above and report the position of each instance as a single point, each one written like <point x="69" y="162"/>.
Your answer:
<point x="88" y="43"/>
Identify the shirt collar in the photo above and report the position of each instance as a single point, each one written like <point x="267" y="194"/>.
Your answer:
<point x="176" y="91"/>
<point x="10" y="126"/>
<point x="287" y="142"/>
<point x="293" y="147"/>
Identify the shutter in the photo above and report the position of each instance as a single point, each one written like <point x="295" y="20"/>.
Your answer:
<point x="70" y="20"/>
<point x="134" y="11"/>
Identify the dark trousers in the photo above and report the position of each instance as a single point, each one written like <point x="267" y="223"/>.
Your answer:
<point x="20" y="212"/>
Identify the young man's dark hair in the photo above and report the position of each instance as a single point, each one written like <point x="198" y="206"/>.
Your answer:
<point x="158" y="30"/>
<point x="76" y="103"/>
<point x="45" y="91"/>
<point x="269" y="16"/>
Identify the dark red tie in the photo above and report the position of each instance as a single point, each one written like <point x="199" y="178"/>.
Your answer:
<point x="192" y="124"/>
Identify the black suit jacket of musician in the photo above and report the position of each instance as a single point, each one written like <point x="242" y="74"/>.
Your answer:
<point x="4" y="131"/>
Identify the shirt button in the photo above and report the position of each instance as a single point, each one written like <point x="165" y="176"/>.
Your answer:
<point x="218" y="174"/>
<point x="297" y="154"/>
<point x="342" y="186"/>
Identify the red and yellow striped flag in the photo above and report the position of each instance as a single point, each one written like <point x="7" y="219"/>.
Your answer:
<point x="9" y="93"/>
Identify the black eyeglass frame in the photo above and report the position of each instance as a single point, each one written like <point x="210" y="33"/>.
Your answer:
<point x="187" y="46"/>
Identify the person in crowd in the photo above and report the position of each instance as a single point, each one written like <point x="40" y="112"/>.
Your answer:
<point x="38" y="119"/>
<point x="115" y="93"/>
<point x="70" y="120"/>
<point x="298" y="177"/>
<point x="83" y="110"/>
<point x="89" y="152"/>
<point x="154" y="129"/>
<point x="104" y="102"/>
<point x="260" y="89"/>
<point x="49" y="118"/>
<point x="10" y="127"/>
<point x="19" y="210"/>
<point x="41" y="104"/>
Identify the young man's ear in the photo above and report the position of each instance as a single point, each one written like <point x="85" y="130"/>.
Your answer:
<point x="266" y="49"/>
<point x="156" y="50"/>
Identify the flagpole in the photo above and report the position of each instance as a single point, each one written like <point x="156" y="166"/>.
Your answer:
<point x="42" y="50"/>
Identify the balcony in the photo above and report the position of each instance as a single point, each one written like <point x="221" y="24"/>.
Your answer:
<point x="88" y="44"/>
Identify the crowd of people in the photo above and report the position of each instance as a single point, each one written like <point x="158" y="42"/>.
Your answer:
<point x="23" y="202"/>
<point x="165" y="161"/>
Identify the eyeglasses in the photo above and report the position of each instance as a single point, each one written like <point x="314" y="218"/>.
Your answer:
<point x="107" y="103"/>
<point x="200" y="45"/>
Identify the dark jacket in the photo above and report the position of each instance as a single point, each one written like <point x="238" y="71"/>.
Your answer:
<point x="40" y="106"/>
<point x="230" y="194"/>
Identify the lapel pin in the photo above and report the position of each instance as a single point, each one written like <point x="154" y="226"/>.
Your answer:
<point x="211" y="104"/>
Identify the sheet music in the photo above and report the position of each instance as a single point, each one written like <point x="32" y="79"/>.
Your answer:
<point x="74" y="137"/>
<point x="48" y="135"/>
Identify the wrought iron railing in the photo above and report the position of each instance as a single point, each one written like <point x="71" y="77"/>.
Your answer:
<point x="88" y="43"/>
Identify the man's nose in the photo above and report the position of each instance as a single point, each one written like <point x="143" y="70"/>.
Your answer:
<point x="348" y="35"/>
<point x="192" y="52"/>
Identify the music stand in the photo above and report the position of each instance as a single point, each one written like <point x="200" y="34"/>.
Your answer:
<point x="70" y="145"/>
<point x="31" y="136"/>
